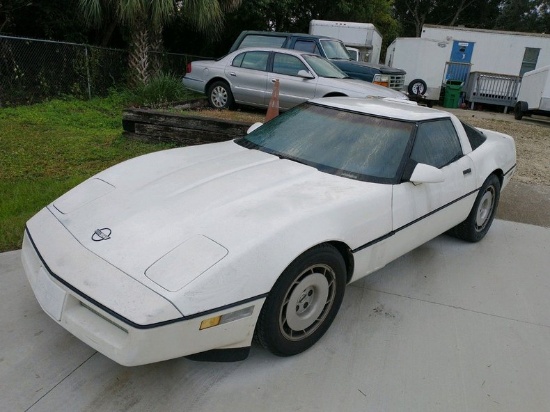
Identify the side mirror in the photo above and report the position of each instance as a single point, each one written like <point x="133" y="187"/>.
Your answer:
<point x="305" y="74"/>
<point x="424" y="173"/>
<point x="254" y="127"/>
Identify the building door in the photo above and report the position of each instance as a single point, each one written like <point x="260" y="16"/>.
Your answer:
<point x="461" y="58"/>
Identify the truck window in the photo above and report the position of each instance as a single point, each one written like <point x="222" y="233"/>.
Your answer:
<point x="285" y="64"/>
<point x="257" y="40"/>
<point x="334" y="49"/>
<point x="307" y="46"/>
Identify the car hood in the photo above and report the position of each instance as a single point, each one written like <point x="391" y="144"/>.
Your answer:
<point x="359" y="88"/>
<point x="352" y="65"/>
<point x="221" y="195"/>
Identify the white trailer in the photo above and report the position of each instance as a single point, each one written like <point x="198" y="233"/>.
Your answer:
<point x="450" y="53"/>
<point x="534" y="94"/>
<point x="363" y="36"/>
<point x="417" y="56"/>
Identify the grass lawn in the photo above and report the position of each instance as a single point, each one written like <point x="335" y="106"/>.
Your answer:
<point x="48" y="148"/>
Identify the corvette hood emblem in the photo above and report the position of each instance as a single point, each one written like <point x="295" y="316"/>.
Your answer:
<point x="101" y="234"/>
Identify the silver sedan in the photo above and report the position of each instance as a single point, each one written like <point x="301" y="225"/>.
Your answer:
<point x="246" y="77"/>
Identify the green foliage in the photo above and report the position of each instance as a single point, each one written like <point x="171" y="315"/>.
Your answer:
<point x="160" y="90"/>
<point x="47" y="148"/>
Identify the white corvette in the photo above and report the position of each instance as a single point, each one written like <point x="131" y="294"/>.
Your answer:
<point x="193" y="251"/>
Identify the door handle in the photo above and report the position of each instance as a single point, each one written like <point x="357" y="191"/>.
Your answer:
<point x="232" y="73"/>
<point x="467" y="171"/>
<point x="273" y="80"/>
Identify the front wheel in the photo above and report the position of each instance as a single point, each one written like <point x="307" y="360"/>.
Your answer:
<point x="478" y="222"/>
<point x="303" y="302"/>
<point x="220" y="96"/>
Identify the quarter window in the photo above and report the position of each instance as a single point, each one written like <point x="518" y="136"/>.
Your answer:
<point x="436" y="143"/>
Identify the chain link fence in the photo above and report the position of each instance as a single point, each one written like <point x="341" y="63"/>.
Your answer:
<point x="33" y="70"/>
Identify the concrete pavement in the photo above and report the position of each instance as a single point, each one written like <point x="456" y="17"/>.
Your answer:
<point x="450" y="326"/>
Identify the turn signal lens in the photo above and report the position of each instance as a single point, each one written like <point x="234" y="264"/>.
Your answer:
<point x="211" y="322"/>
<point x="381" y="80"/>
<point x="226" y="318"/>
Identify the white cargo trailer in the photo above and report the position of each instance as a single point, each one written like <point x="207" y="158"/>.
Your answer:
<point x="450" y="53"/>
<point x="363" y="36"/>
<point x="534" y="94"/>
<point x="417" y="56"/>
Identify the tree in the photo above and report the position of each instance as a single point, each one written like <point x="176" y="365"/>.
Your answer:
<point x="523" y="15"/>
<point x="144" y="21"/>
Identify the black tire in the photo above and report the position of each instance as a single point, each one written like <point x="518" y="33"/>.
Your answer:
<point x="417" y="87"/>
<point x="518" y="111"/>
<point x="303" y="302"/>
<point x="478" y="222"/>
<point x="220" y="96"/>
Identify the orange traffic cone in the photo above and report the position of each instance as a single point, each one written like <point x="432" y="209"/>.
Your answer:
<point x="273" y="108"/>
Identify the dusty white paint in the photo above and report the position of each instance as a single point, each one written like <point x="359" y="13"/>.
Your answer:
<point x="193" y="230"/>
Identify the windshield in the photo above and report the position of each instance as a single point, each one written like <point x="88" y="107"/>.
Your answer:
<point x="335" y="49"/>
<point x="323" y="67"/>
<point x="339" y="142"/>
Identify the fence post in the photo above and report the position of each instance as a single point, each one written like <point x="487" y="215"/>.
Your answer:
<point x="88" y="73"/>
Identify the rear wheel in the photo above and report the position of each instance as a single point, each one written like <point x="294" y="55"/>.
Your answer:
<point x="518" y="112"/>
<point x="303" y="302"/>
<point x="220" y="96"/>
<point x="478" y="222"/>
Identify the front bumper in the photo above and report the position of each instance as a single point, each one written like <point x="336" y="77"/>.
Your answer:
<point x="113" y="313"/>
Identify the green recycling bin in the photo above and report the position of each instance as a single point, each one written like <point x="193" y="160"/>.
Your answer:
<point x="453" y="88"/>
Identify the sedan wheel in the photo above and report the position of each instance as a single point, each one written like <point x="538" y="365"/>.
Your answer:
<point x="220" y="96"/>
<point x="303" y="302"/>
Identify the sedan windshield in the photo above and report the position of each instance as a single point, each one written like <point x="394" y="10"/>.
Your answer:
<point x="323" y="67"/>
<point x="335" y="49"/>
<point x="339" y="142"/>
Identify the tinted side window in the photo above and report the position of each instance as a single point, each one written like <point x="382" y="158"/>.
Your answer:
<point x="285" y="64"/>
<point x="307" y="46"/>
<point x="255" y="60"/>
<point x="436" y="143"/>
<point x="475" y="137"/>
<point x="257" y="40"/>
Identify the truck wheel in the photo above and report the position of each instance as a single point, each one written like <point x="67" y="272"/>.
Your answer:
<point x="417" y="87"/>
<point x="520" y="109"/>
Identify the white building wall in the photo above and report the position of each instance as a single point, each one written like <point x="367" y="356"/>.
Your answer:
<point x="494" y="51"/>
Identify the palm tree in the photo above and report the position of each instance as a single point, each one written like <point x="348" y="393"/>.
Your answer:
<point x="145" y="20"/>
